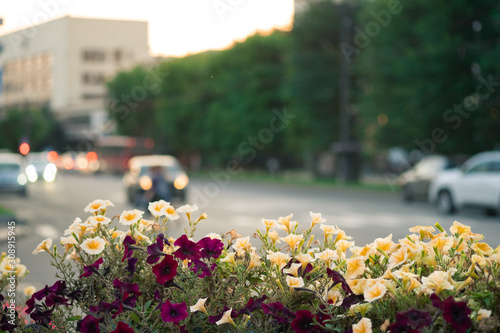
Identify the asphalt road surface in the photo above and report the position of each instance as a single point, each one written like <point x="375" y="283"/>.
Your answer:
<point x="364" y="215"/>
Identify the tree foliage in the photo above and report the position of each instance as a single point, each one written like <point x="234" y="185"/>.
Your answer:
<point x="423" y="71"/>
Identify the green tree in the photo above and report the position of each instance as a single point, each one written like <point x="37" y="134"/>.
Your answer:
<point x="422" y="70"/>
<point x="31" y="124"/>
<point x="132" y="95"/>
<point x="312" y="84"/>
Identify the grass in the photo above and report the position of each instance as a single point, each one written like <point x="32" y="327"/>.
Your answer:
<point x="5" y="211"/>
<point x="298" y="179"/>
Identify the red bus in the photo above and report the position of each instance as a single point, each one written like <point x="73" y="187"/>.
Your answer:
<point x="115" y="151"/>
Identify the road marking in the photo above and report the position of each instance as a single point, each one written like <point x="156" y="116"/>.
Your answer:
<point x="47" y="231"/>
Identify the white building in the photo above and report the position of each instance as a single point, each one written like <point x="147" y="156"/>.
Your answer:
<point x="65" y="63"/>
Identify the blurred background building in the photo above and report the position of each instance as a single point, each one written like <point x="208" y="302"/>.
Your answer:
<point x="64" y="64"/>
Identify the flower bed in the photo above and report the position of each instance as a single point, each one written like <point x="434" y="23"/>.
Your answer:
<point x="142" y="280"/>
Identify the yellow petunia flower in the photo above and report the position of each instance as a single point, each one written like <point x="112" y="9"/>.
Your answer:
<point x="129" y="217"/>
<point x="304" y="259"/>
<point x="363" y="326"/>
<point x="294" y="282"/>
<point x="199" y="306"/>
<point x="278" y="258"/>
<point x="375" y="292"/>
<point x="482" y="249"/>
<point x="269" y="224"/>
<point x="93" y="245"/>
<point x="355" y="267"/>
<point x="43" y="246"/>
<point x="292" y="240"/>
<point x="316" y="219"/>
<point x="226" y="318"/>
<point x="294" y="270"/>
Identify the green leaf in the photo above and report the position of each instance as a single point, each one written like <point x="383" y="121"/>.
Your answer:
<point x="135" y="317"/>
<point x="74" y="318"/>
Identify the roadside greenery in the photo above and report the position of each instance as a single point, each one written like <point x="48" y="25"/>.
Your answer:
<point x="142" y="280"/>
<point x="430" y="71"/>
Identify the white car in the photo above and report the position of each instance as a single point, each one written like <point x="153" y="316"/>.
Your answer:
<point x="475" y="184"/>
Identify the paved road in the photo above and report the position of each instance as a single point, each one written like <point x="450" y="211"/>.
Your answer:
<point x="365" y="215"/>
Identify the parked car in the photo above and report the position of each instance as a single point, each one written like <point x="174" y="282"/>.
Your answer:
<point x="12" y="176"/>
<point x="475" y="184"/>
<point x="415" y="182"/>
<point x="140" y="178"/>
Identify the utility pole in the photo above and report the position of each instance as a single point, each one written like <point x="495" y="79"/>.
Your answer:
<point x="347" y="149"/>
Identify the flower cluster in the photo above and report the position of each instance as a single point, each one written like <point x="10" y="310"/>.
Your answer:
<point x="136" y="278"/>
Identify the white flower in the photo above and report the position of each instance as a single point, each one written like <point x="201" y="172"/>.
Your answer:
<point x="93" y="245"/>
<point x="375" y="292"/>
<point x="242" y="244"/>
<point x="158" y="208"/>
<point x="187" y="209"/>
<point x="97" y="205"/>
<point x="199" y="306"/>
<point x="316" y="218"/>
<point x="213" y="235"/>
<point x="43" y="246"/>
<point x="226" y="318"/>
<point x="29" y="290"/>
<point x="363" y="326"/>
<point x="129" y="217"/>
<point x="99" y="219"/>
<point x="171" y="213"/>
<point x="294" y="282"/>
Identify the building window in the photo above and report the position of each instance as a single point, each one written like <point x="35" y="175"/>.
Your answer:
<point x="93" y="96"/>
<point x="94" y="56"/>
<point x="93" y="78"/>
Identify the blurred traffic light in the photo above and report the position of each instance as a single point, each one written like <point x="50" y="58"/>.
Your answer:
<point x="24" y="148"/>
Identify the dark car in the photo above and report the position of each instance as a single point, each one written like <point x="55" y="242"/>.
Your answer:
<point x="415" y="182"/>
<point x="146" y="172"/>
<point x="12" y="176"/>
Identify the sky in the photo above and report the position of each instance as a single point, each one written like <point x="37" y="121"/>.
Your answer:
<point x="176" y="27"/>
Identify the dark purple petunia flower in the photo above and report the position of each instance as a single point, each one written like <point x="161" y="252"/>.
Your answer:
<point x="128" y="241"/>
<point x="157" y="295"/>
<point x="210" y="248"/>
<point x="166" y="270"/>
<point x="59" y="287"/>
<point x="164" y="239"/>
<point x="174" y="312"/>
<point x="5" y="321"/>
<point x="131" y="263"/>
<point x="89" y="324"/>
<point x="122" y="287"/>
<point x="203" y="269"/>
<point x="415" y="318"/>
<point x="42" y="317"/>
<point x="338" y="278"/>
<point x="187" y="249"/>
<point x="401" y="326"/>
<point x="457" y="314"/>
<point x="303" y="322"/>
<point x="254" y="304"/>
<point x="351" y="300"/>
<point x="129" y="300"/>
<point x="123" y="328"/>
<point x="91" y="269"/>
<point x="436" y="301"/>
<point x="155" y="251"/>
<point x="54" y="299"/>
<point x="279" y="312"/>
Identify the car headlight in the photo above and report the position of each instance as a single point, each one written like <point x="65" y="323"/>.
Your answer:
<point x="181" y="181"/>
<point x="31" y="173"/>
<point x="145" y="183"/>
<point x="21" y="179"/>
<point x="49" y="174"/>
